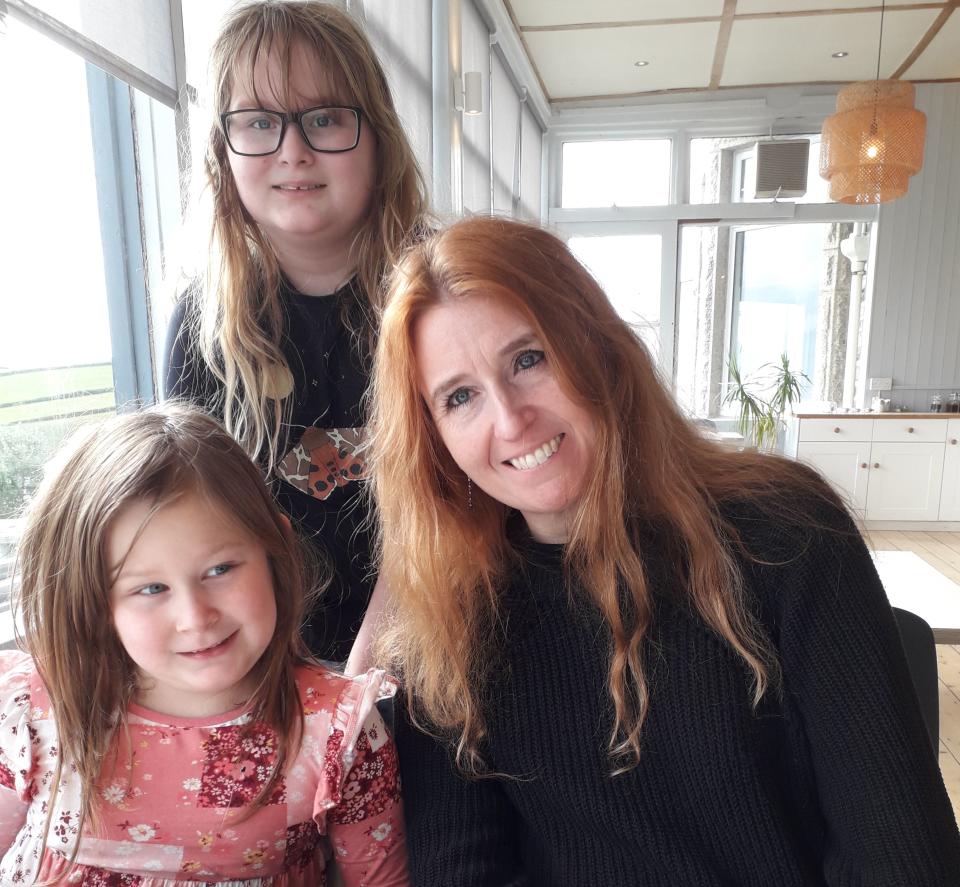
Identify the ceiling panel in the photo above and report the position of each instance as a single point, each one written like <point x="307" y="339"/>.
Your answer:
<point x="532" y="13"/>
<point x="942" y="57"/>
<point x="745" y="7"/>
<point x="798" y="49"/>
<point x="601" y="61"/>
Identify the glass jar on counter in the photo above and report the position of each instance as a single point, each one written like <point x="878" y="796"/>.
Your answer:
<point x="936" y="403"/>
<point x="953" y="405"/>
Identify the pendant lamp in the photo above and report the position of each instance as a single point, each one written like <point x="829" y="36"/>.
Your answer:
<point x="874" y="143"/>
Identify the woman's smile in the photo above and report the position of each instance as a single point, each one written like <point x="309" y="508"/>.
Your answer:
<point x="537" y="457"/>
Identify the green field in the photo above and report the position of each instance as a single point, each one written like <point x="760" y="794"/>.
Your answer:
<point x="31" y="432"/>
<point x="50" y="389"/>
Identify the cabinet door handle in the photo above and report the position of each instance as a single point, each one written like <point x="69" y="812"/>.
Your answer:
<point x="864" y="465"/>
<point x="910" y="430"/>
<point x="953" y="441"/>
<point x="876" y="464"/>
<point x="836" y="430"/>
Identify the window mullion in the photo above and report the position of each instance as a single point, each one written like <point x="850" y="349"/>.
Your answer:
<point x="112" y="128"/>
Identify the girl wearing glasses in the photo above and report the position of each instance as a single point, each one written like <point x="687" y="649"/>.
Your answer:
<point x="315" y="190"/>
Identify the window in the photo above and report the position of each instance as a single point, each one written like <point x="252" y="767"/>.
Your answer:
<point x="80" y="244"/>
<point x="756" y="292"/>
<point x="719" y="294"/>
<point x="627" y="267"/>
<point x="777" y="273"/>
<point x="724" y="170"/>
<point x="55" y="338"/>
<point x="630" y="172"/>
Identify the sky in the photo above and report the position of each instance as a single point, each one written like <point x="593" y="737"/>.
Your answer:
<point x="52" y="296"/>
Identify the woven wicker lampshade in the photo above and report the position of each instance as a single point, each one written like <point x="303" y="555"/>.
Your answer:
<point x="874" y="143"/>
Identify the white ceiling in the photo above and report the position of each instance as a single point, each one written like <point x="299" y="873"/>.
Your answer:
<point x="585" y="50"/>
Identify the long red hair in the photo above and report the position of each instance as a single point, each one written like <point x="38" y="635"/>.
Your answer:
<point x="445" y="562"/>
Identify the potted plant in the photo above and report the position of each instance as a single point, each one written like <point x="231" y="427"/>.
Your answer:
<point x="763" y="399"/>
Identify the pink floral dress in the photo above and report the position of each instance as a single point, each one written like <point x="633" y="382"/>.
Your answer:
<point x="170" y="811"/>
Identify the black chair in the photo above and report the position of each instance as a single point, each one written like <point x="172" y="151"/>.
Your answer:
<point x="921" y="650"/>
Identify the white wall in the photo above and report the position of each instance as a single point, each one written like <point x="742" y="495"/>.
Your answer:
<point x="915" y="318"/>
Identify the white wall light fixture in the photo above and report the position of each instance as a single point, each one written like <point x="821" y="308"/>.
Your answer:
<point x="472" y="93"/>
<point x="468" y="93"/>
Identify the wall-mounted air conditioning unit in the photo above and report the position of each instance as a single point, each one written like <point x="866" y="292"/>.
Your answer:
<point x="782" y="168"/>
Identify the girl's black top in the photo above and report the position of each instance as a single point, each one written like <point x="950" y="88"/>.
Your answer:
<point x="318" y="481"/>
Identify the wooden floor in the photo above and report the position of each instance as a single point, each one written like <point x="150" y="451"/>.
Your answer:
<point x="941" y="551"/>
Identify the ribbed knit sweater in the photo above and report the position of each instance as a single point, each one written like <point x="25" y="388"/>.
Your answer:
<point x="831" y="781"/>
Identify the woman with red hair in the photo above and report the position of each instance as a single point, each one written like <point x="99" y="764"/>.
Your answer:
<point x="631" y="656"/>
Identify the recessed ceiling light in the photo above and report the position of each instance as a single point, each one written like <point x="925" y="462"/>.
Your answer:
<point x="640" y="64"/>
<point x="841" y="54"/>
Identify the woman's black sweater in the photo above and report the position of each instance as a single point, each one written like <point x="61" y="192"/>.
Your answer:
<point x="830" y="781"/>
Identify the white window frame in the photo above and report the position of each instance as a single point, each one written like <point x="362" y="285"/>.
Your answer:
<point x="667" y="230"/>
<point x="682" y="122"/>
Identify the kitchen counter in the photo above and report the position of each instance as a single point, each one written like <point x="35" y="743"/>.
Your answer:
<point x="876" y="415"/>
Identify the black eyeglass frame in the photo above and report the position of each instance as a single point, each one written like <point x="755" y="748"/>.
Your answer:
<point x="287" y="117"/>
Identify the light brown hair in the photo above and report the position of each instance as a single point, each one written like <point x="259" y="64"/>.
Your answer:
<point x="446" y="561"/>
<point x="63" y="598"/>
<point x="238" y="322"/>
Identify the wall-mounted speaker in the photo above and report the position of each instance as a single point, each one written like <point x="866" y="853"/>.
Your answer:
<point x="782" y="168"/>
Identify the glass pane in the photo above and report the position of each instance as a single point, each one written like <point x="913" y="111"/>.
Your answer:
<point x="616" y="173"/>
<point x="786" y="289"/>
<point x="201" y="21"/>
<point x="55" y="337"/>
<point x="723" y="170"/>
<point x="777" y="282"/>
<point x="628" y="269"/>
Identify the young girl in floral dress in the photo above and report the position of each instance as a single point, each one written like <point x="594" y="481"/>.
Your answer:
<point x="166" y="726"/>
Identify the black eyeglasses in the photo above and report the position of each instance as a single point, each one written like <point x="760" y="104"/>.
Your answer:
<point x="255" y="132"/>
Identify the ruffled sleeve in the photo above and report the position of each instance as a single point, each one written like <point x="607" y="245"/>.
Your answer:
<point x="17" y="676"/>
<point x="359" y="796"/>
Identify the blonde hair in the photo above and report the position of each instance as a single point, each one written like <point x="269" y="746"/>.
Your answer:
<point x="238" y="321"/>
<point x="63" y="598"/>
<point x="446" y="561"/>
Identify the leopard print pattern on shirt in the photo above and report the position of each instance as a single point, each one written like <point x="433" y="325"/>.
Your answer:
<point x="324" y="459"/>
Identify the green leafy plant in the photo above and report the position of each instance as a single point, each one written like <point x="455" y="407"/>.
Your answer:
<point x="763" y="398"/>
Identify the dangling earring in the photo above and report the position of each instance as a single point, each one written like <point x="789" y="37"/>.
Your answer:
<point x="469" y="493"/>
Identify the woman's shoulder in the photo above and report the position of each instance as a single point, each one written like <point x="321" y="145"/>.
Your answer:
<point x="789" y="515"/>
<point x="798" y="547"/>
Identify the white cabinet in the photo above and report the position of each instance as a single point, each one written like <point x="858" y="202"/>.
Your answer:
<point x="950" y="489"/>
<point x="845" y="463"/>
<point x="905" y="481"/>
<point x="839" y="448"/>
<point x="896" y="468"/>
<point x="910" y="430"/>
<point x="835" y="429"/>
